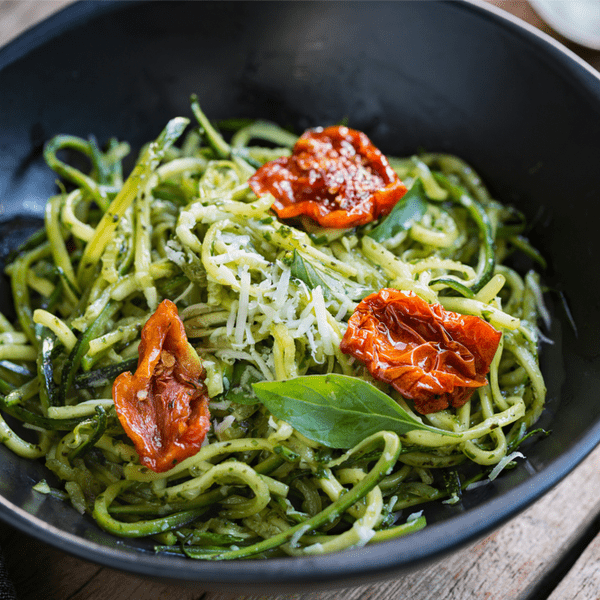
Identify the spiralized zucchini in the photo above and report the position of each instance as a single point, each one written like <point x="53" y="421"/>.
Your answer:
<point x="186" y="226"/>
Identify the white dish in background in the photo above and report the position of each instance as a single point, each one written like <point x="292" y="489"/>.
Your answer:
<point x="577" y="20"/>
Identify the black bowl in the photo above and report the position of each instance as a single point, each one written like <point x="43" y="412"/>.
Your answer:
<point x="451" y="77"/>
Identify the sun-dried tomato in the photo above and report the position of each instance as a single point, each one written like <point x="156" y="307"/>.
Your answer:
<point x="430" y="355"/>
<point x="336" y="176"/>
<point x="163" y="407"/>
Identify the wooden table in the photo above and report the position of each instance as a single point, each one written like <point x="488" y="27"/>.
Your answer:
<point x="550" y="551"/>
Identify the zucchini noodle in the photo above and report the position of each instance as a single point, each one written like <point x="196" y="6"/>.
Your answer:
<point x="186" y="226"/>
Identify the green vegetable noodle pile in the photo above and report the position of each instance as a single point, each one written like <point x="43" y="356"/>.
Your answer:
<point x="306" y="453"/>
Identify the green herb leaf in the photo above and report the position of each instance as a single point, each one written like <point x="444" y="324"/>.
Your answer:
<point x="453" y="486"/>
<point x="337" y="411"/>
<point x="301" y="268"/>
<point x="407" y="211"/>
<point x="243" y="378"/>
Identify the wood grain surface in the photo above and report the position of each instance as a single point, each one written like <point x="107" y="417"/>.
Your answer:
<point x="583" y="580"/>
<point x="16" y="16"/>
<point x="550" y="551"/>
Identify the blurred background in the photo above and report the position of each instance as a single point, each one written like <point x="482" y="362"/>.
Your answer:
<point x="580" y="19"/>
<point x="18" y="15"/>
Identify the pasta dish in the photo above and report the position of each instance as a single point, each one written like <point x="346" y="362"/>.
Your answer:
<point x="258" y="344"/>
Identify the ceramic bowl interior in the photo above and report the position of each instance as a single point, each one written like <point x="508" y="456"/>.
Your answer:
<point x="449" y="77"/>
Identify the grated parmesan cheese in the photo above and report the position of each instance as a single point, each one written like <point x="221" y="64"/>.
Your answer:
<point x="323" y="327"/>
<point x="500" y="466"/>
<point x="242" y="314"/>
<point x="364" y="535"/>
<point x="224" y="424"/>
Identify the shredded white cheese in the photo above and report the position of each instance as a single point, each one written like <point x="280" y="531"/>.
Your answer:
<point x="224" y="424"/>
<point x="500" y="466"/>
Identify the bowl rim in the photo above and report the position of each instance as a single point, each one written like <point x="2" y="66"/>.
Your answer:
<point x="527" y="30"/>
<point x="349" y="567"/>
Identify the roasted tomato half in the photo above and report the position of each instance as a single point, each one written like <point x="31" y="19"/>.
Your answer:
<point x="430" y="355"/>
<point x="163" y="406"/>
<point x="335" y="176"/>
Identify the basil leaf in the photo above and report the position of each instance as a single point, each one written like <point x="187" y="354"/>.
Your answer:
<point x="337" y="411"/>
<point x="303" y="269"/>
<point x="408" y="210"/>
